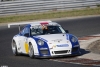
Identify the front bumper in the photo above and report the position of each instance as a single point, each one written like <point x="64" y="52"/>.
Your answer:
<point x="63" y="53"/>
<point x="58" y="56"/>
<point x="55" y="56"/>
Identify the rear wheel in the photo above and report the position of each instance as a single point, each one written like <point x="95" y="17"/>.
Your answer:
<point x="14" y="48"/>
<point x="31" y="51"/>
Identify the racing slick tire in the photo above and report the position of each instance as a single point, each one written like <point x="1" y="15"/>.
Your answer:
<point x="14" y="48"/>
<point x="31" y="51"/>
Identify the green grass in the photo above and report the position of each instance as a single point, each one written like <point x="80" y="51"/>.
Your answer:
<point x="50" y="15"/>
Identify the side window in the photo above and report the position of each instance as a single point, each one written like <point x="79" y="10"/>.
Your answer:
<point x="36" y="31"/>
<point x="25" y="30"/>
<point x="33" y="31"/>
<point x="22" y="32"/>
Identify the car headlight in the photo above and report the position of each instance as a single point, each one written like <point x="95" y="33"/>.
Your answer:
<point x="74" y="39"/>
<point x="40" y="42"/>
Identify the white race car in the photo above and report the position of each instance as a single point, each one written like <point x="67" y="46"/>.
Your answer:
<point x="44" y="39"/>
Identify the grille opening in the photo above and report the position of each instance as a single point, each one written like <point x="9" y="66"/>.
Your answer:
<point x="75" y="49"/>
<point x="44" y="52"/>
<point x="61" y="52"/>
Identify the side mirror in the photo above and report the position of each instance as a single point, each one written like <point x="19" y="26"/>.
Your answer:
<point x="26" y="34"/>
<point x="66" y="31"/>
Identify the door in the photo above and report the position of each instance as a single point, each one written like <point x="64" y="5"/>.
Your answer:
<point x="24" y="34"/>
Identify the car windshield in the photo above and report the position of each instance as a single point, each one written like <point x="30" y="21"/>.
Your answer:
<point x="42" y="30"/>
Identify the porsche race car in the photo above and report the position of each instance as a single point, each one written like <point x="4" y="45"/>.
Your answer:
<point x="44" y="39"/>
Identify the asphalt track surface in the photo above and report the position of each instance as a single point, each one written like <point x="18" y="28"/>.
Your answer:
<point x="79" y="27"/>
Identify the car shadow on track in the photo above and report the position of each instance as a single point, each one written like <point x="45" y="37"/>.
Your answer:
<point x="84" y="51"/>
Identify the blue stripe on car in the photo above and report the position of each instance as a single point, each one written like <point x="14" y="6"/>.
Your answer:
<point x="41" y="38"/>
<point x="69" y="36"/>
<point x="43" y="46"/>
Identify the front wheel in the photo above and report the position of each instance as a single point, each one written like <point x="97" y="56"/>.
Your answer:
<point x="31" y="51"/>
<point x="14" y="48"/>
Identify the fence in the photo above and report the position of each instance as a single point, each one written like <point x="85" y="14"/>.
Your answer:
<point x="31" y="6"/>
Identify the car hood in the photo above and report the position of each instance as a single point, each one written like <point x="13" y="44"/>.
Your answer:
<point x="55" y="39"/>
<point x="52" y="37"/>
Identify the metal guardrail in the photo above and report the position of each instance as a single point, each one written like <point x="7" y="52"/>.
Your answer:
<point x="31" y="6"/>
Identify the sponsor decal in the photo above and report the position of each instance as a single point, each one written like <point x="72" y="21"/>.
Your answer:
<point x="54" y="46"/>
<point x="26" y="47"/>
<point x="63" y="45"/>
<point x="57" y="40"/>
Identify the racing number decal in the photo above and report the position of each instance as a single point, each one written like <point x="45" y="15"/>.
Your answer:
<point x="26" y="47"/>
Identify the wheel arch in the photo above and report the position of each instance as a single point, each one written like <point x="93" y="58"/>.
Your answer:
<point x="15" y="39"/>
<point x="35" y="46"/>
<point x="14" y="48"/>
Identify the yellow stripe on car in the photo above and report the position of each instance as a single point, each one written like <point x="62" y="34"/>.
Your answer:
<point x="26" y="47"/>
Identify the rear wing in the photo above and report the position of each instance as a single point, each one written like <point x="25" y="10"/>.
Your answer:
<point x="23" y="23"/>
<point x="18" y="24"/>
